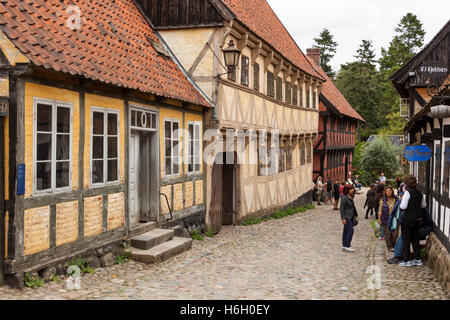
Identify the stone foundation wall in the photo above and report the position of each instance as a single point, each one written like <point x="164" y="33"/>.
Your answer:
<point x="439" y="261"/>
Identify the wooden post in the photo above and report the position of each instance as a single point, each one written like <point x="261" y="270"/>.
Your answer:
<point x="2" y="199"/>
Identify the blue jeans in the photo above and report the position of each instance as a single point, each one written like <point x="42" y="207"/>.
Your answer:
<point x="347" y="235"/>
<point x="423" y="233"/>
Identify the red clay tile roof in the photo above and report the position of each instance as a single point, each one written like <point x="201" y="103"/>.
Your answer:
<point x="335" y="97"/>
<point x="259" y="17"/>
<point x="112" y="46"/>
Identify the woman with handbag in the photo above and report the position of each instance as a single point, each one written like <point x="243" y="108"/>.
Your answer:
<point x="388" y="207"/>
<point x="348" y="217"/>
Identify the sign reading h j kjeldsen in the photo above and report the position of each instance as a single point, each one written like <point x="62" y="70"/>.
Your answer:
<point x="418" y="153"/>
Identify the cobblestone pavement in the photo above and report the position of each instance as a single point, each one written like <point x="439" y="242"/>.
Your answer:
<point x="298" y="257"/>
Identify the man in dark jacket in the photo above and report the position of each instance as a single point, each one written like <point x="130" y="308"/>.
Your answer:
<point x="425" y="229"/>
<point x="348" y="213"/>
<point x="412" y="203"/>
<point x="371" y="201"/>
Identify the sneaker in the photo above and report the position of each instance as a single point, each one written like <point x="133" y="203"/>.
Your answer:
<point x="406" y="264"/>
<point x="343" y="248"/>
<point x="395" y="260"/>
<point x="349" y="250"/>
<point x="417" y="263"/>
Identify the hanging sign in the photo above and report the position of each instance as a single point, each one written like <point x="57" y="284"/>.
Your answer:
<point x="4" y="104"/>
<point x="433" y="69"/>
<point x="20" y="179"/>
<point x="418" y="153"/>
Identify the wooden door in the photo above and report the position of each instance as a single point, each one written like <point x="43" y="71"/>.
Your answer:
<point x="133" y="190"/>
<point x="215" y="211"/>
<point x="228" y="194"/>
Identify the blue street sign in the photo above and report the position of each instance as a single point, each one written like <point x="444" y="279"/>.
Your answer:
<point x="418" y="153"/>
<point x="20" y="179"/>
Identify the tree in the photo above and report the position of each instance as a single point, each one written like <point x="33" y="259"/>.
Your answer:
<point x="358" y="82"/>
<point x="394" y="125"/>
<point x="380" y="156"/>
<point x="366" y="54"/>
<point x="327" y="47"/>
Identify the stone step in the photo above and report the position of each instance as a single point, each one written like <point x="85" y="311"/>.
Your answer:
<point x="142" y="228"/>
<point x="152" y="238"/>
<point x="162" y="252"/>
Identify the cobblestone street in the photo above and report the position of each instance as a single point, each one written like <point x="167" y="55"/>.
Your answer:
<point x="298" y="257"/>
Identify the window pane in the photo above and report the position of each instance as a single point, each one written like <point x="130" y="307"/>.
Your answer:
<point x="112" y="170"/>
<point x="168" y="129"/>
<point x="112" y="148"/>
<point x="63" y="120"/>
<point x="175" y="148"/>
<point x="97" y="171"/>
<point x="168" y="166"/>
<point x="133" y="118"/>
<point x="44" y="146"/>
<point x="197" y="132"/>
<point x="97" y="121"/>
<point x="191" y="131"/>
<point x="168" y="148"/>
<point x="62" y="174"/>
<point x="153" y="121"/>
<point x="62" y="147"/>
<point x="44" y="117"/>
<point x="112" y="124"/>
<point x="97" y="148"/>
<point x="175" y="165"/>
<point x="174" y="132"/>
<point x="197" y="167"/>
<point x="190" y="166"/>
<point x="43" y="176"/>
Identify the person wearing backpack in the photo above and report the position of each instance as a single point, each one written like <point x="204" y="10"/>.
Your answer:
<point x="425" y="229"/>
<point x="371" y="201"/>
<point x="388" y="207"/>
<point x="412" y="203"/>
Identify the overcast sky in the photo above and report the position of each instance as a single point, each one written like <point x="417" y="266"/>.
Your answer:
<point x="350" y="21"/>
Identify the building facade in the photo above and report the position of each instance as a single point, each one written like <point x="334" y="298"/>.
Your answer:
<point x="102" y="134"/>
<point x="335" y="144"/>
<point x="274" y="89"/>
<point x="423" y="84"/>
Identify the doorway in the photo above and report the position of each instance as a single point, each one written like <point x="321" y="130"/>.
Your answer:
<point x="143" y="175"/>
<point x="346" y="167"/>
<point x="224" y="195"/>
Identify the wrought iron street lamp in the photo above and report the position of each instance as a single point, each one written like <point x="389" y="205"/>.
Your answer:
<point x="231" y="55"/>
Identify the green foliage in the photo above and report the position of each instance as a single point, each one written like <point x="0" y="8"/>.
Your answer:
<point x="33" y="281"/>
<point x="357" y="156"/>
<point x="380" y="156"/>
<point x="196" y="235"/>
<point x="84" y="266"/>
<point x="122" y="258"/>
<point x="55" y="278"/>
<point x="210" y="233"/>
<point x="327" y="47"/>
<point x="394" y="125"/>
<point x="251" y="221"/>
<point x="310" y="207"/>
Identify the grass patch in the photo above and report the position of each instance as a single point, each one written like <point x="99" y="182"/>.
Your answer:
<point x="33" y="281"/>
<point x="84" y="266"/>
<point x="122" y="258"/>
<point x="210" y="233"/>
<point x="196" y="235"/>
<point x="279" y="214"/>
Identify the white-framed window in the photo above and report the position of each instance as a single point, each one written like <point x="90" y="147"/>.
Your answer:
<point x="194" y="143"/>
<point x="105" y="146"/>
<point x="52" y="148"/>
<point x="172" y="146"/>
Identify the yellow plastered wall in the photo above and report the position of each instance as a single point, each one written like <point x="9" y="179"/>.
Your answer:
<point x="198" y="192"/>
<point x="116" y="211"/>
<point x="32" y="91"/>
<point x="178" y="197"/>
<point x="93" y="216"/>
<point x="189" y="117"/>
<point x="66" y="222"/>
<point x="189" y="194"/>
<point x="109" y="103"/>
<point x="169" y="114"/>
<point x="36" y="230"/>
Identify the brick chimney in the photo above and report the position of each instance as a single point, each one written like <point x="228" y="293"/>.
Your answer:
<point x="314" y="54"/>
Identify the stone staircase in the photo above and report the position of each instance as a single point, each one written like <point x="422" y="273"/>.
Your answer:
<point x="158" y="245"/>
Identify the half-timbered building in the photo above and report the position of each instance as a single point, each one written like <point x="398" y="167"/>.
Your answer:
<point x="274" y="88"/>
<point x="333" y="150"/>
<point x="424" y="85"/>
<point x="93" y="151"/>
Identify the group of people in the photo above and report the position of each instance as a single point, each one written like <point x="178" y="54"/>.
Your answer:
<point x="405" y="212"/>
<point x="330" y="191"/>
